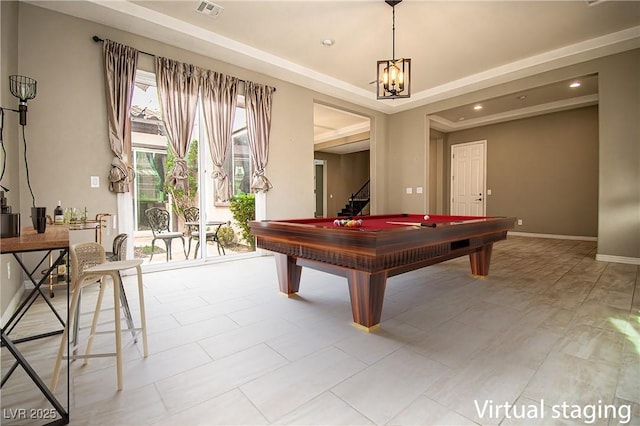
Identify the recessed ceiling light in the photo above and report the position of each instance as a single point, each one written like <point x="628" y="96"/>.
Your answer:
<point x="460" y="118"/>
<point x="575" y="84"/>
<point x="328" y="42"/>
<point x="522" y="97"/>
<point x="477" y="107"/>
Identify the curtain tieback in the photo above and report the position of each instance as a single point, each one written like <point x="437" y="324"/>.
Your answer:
<point x="119" y="176"/>
<point x="179" y="176"/>
<point x="219" y="172"/>
<point x="223" y="190"/>
<point x="259" y="182"/>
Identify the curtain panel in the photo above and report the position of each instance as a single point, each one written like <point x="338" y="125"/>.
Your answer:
<point x="120" y="63"/>
<point x="258" y="107"/>
<point x="219" y="101"/>
<point x="177" y="85"/>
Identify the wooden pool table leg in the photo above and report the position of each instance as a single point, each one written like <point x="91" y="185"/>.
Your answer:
<point x="480" y="260"/>
<point x="288" y="274"/>
<point x="367" y="294"/>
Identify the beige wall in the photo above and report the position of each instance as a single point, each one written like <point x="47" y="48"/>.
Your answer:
<point x="543" y="170"/>
<point x="407" y="159"/>
<point x="619" y="216"/>
<point x="345" y="175"/>
<point x="618" y="157"/>
<point x="9" y="66"/>
<point x="436" y="181"/>
<point x="67" y="128"/>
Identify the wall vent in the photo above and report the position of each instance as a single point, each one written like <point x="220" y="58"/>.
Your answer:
<point x="209" y="8"/>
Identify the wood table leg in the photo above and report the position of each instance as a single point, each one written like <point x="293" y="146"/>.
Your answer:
<point x="480" y="260"/>
<point x="288" y="273"/>
<point x="367" y="294"/>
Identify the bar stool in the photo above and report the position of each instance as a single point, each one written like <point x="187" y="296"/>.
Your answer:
<point x="120" y="253"/>
<point x="89" y="266"/>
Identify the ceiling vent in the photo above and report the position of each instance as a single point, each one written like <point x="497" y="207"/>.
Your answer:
<point x="209" y="8"/>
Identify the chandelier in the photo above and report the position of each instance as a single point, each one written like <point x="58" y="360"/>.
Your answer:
<point x="394" y="80"/>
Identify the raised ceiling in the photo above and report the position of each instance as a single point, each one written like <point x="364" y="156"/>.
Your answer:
<point x="336" y="131"/>
<point x="577" y="92"/>
<point x="456" y="47"/>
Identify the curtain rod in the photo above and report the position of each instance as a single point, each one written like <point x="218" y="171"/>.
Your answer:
<point x="99" y="40"/>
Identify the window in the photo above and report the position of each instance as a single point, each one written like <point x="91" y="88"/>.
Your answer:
<point x="238" y="160"/>
<point x="149" y="146"/>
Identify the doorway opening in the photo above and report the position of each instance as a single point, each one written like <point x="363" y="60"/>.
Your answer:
<point x="342" y="144"/>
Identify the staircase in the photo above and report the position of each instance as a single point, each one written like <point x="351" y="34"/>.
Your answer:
<point x="357" y="202"/>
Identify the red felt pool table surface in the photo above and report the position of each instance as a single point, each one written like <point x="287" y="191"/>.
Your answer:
<point x="393" y="221"/>
<point x="383" y="246"/>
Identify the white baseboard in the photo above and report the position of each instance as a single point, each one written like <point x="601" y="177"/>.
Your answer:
<point x="13" y="305"/>
<point x="618" y="259"/>
<point x="554" y="236"/>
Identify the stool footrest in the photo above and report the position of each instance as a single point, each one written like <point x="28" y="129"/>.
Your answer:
<point x="89" y="356"/>
<point x="113" y="331"/>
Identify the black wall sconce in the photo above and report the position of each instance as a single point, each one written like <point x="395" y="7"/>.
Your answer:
<point x="23" y="88"/>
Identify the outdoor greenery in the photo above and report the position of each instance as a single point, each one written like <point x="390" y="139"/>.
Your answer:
<point x="146" y="250"/>
<point x="243" y="208"/>
<point x="184" y="198"/>
<point x="226" y="235"/>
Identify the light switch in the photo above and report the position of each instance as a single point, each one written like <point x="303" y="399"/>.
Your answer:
<point x="409" y="190"/>
<point x="488" y="192"/>
<point x="419" y="190"/>
<point x="95" y="181"/>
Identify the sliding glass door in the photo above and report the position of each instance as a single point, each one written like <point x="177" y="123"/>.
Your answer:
<point x="164" y="218"/>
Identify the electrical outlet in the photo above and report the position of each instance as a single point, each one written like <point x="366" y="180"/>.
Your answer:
<point x="519" y="221"/>
<point x="95" y="181"/>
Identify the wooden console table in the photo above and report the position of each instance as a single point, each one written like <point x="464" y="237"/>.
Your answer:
<point x="55" y="238"/>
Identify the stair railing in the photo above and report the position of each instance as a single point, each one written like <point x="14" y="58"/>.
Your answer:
<point x="362" y="194"/>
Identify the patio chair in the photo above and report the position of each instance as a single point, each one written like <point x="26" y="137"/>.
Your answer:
<point x="192" y="226"/>
<point x="119" y="248"/>
<point x="160" y="224"/>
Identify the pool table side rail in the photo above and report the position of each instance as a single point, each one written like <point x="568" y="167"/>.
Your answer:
<point x="396" y="252"/>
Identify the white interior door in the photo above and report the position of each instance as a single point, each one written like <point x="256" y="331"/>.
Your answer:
<point x="468" y="178"/>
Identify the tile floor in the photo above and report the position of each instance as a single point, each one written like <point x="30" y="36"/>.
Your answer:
<point x="552" y="336"/>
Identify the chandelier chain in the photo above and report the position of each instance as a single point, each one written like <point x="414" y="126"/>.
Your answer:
<point x="393" y="33"/>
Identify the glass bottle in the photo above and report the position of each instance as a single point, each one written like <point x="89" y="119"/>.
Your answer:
<point x="58" y="215"/>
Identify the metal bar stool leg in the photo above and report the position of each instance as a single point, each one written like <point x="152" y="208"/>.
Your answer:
<point x="94" y="323"/>
<point x="127" y="311"/>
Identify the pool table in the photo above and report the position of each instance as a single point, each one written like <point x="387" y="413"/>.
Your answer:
<point x="381" y="247"/>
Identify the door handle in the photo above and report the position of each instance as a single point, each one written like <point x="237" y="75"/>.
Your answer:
<point x="479" y="199"/>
